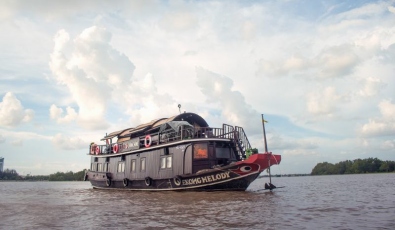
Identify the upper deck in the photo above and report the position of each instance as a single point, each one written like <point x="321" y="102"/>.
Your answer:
<point x="164" y="131"/>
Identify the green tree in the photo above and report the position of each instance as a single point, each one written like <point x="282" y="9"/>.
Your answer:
<point x="9" y="174"/>
<point x="68" y="176"/>
<point x="369" y="165"/>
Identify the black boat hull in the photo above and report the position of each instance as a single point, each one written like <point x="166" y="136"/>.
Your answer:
<point x="233" y="183"/>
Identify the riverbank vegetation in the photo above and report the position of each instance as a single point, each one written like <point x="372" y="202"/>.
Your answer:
<point x="11" y="174"/>
<point x="369" y="165"/>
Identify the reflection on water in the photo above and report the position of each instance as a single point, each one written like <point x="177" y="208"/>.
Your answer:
<point x="342" y="202"/>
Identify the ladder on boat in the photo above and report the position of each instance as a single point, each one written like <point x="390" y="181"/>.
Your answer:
<point x="240" y="140"/>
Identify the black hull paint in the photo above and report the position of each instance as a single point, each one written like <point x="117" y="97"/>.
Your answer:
<point x="234" y="183"/>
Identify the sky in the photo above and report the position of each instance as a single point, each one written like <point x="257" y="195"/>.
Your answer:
<point x="321" y="72"/>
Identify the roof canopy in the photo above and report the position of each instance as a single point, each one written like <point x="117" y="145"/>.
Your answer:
<point x="191" y="118"/>
<point x="175" y="125"/>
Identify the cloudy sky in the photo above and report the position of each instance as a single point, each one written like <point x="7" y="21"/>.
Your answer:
<point x="322" y="72"/>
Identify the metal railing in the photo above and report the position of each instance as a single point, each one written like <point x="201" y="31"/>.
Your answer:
<point x="236" y="134"/>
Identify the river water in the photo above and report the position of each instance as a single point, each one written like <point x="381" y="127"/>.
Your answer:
<point x="311" y="202"/>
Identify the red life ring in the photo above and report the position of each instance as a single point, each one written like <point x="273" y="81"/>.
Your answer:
<point x="93" y="149"/>
<point x="97" y="150"/>
<point x="147" y="141"/>
<point x="115" y="148"/>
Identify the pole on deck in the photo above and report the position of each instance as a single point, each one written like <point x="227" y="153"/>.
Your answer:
<point x="266" y="151"/>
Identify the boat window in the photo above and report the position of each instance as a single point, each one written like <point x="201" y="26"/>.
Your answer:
<point x="200" y="151"/>
<point x="166" y="162"/>
<point x="94" y="167"/>
<point x="105" y="167"/>
<point x="142" y="164"/>
<point x="99" y="169"/>
<point x="163" y="162"/>
<point x="133" y="166"/>
<point x="121" y="167"/>
<point x="222" y="152"/>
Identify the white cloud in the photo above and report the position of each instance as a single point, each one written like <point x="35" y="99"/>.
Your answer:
<point x="372" y="86"/>
<point x="383" y="126"/>
<point x="68" y="143"/>
<point x="97" y="74"/>
<point x="388" y="145"/>
<point x="2" y="139"/>
<point x="387" y="109"/>
<point x="56" y="114"/>
<point x="300" y="152"/>
<point x="23" y="135"/>
<point x="278" y="142"/>
<point x="332" y="62"/>
<point x="323" y="102"/>
<point x="92" y="72"/>
<point x="17" y="143"/>
<point x="232" y="105"/>
<point x="179" y="21"/>
<point x="293" y="147"/>
<point x="12" y="112"/>
<point x="391" y="9"/>
<point x="322" y="65"/>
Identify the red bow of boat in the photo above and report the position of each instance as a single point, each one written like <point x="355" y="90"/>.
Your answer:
<point x="264" y="160"/>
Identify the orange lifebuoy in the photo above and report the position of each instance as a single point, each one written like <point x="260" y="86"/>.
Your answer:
<point x="115" y="148"/>
<point x="97" y="150"/>
<point x="147" y="141"/>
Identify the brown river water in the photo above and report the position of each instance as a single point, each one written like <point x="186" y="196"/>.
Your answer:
<point x="311" y="202"/>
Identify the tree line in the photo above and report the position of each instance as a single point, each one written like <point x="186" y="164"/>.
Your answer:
<point x="11" y="174"/>
<point x="369" y="165"/>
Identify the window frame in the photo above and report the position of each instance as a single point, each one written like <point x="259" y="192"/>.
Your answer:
<point x="121" y="167"/>
<point x="94" y="166"/>
<point x="167" y="164"/>
<point x="143" y="159"/>
<point x="194" y="154"/>
<point x="105" y="167"/>
<point x="133" y="165"/>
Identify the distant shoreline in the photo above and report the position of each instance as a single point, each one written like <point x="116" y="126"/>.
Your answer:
<point x="307" y="174"/>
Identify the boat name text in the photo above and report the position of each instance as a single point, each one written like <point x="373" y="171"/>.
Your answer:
<point x="206" y="179"/>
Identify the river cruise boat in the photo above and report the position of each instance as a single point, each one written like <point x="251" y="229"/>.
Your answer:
<point x="177" y="153"/>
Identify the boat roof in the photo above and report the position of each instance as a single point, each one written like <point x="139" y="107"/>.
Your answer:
<point x="191" y="118"/>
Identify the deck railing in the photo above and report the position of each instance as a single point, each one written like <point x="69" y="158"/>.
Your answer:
<point x="226" y="132"/>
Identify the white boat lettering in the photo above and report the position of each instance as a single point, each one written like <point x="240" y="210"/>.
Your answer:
<point x="206" y="179"/>
<point x="182" y="147"/>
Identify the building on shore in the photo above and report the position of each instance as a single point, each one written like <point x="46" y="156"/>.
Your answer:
<point x="1" y="164"/>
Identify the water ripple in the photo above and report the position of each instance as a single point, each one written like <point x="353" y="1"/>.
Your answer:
<point x="326" y="202"/>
